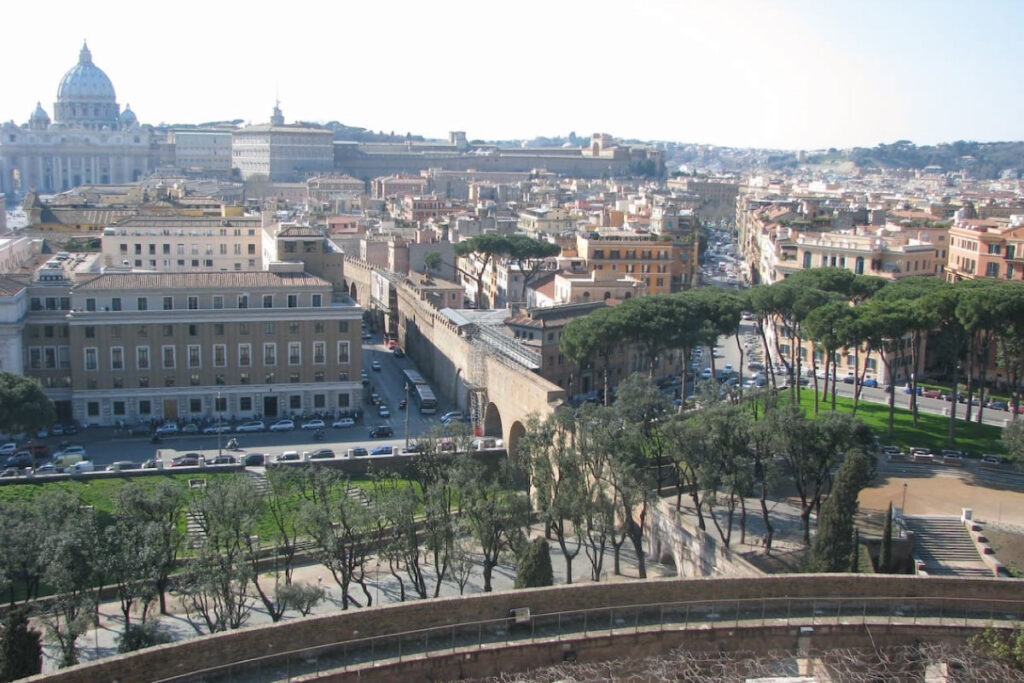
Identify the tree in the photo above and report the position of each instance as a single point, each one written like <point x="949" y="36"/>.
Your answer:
<point x="159" y="508"/>
<point x="432" y="260"/>
<point x="21" y="650"/>
<point x="485" y="247"/>
<point x="528" y="255"/>
<point x="597" y="334"/>
<point x="214" y="586"/>
<point x="1013" y="439"/>
<point x="139" y="636"/>
<point x="885" y="552"/>
<point x="534" y="568"/>
<point x="23" y="405"/>
<point x="833" y="543"/>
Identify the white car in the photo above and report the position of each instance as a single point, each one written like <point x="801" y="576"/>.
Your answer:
<point x="343" y="422"/>
<point x="314" y="424"/>
<point x="8" y="448"/>
<point x="214" y="429"/>
<point x="255" y="426"/>
<point x="282" y="426"/>
<point x="167" y="428"/>
<point x="71" y="450"/>
<point x="451" y="416"/>
<point x="81" y="466"/>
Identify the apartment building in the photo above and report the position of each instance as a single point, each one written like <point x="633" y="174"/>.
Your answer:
<point x="536" y="221"/>
<point x="166" y="346"/>
<point x="203" y="151"/>
<point x="390" y="186"/>
<point x="867" y="251"/>
<point x="986" y="249"/>
<point x="654" y="260"/>
<point x="184" y="244"/>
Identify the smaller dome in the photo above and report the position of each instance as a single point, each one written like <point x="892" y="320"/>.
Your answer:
<point x="128" y="117"/>
<point x="39" y="117"/>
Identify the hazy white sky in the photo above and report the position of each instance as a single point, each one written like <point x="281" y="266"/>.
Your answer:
<point x="800" y="74"/>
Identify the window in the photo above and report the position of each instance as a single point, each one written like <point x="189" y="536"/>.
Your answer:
<point x="142" y="357"/>
<point x="318" y="327"/>
<point x="143" y="331"/>
<point x="90" y="304"/>
<point x="293" y="328"/>
<point x="168" y="303"/>
<point x="218" y="329"/>
<point x="35" y="358"/>
<point x="293" y="300"/>
<point x="50" y="358"/>
<point x="115" y="303"/>
<point x="168" y="355"/>
<point x="243" y="301"/>
<point x="117" y="358"/>
<point x="295" y="402"/>
<point x="992" y="269"/>
<point x="143" y="382"/>
<point x="195" y="405"/>
<point x="245" y="403"/>
<point x="317" y="300"/>
<point x="220" y="355"/>
<point x="194" y="357"/>
<point x="243" y="328"/>
<point x="193" y="303"/>
<point x="91" y="358"/>
<point x="318" y="376"/>
<point x="243" y="378"/>
<point x="319" y="401"/>
<point x="118" y="408"/>
<point x="344" y="400"/>
<point x="168" y="330"/>
<point x="343" y="352"/>
<point x="270" y="354"/>
<point x="294" y="378"/>
<point x="245" y="355"/>
<point x="90" y="332"/>
<point x="268" y="328"/>
<point x="268" y="378"/>
<point x="218" y="301"/>
<point x="343" y="326"/>
<point x="268" y="301"/>
<point x="92" y="408"/>
<point x="319" y="352"/>
<point x="294" y="353"/>
<point x="193" y="380"/>
<point x="145" y="407"/>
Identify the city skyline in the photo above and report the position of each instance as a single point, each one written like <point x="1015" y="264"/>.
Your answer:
<point x="790" y="75"/>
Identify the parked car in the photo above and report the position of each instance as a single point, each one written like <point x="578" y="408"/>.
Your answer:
<point x="21" y="459"/>
<point x="222" y="428"/>
<point x="190" y="428"/>
<point x="223" y="459"/>
<point x="375" y="366"/>
<point x="403" y="404"/>
<point x="383" y="450"/>
<point x="140" y="429"/>
<point x="151" y="464"/>
<point x="12" y="472"/>
<point x="254" y="426"/>
<point x="988" y="459"/>
<point x="343" y="422"/>
<point x="932" y="393"/>
<point x="167" y="428"/>
<point x="320" y="454"/>
<point x="43" y="433"/>
<point x="57" y="430"/>
<point x="81" y="467"/>
<point x="282" y="426"/>
<point x="289" y="456"/>
<point x="999" y="405"/>
<point x="358" y="452"/>
<point x="870" y="382"/>
<point x="48" y="468"/>
<point x="254" y="460"/>
<point x="398" y="352"/>
<point x="8" y="448"/>
<point x="187" y="460"/>
<point x="384" y="411"/>
<point x="71" y="450"/>
<point x="380" y="431"/>
<point x="415" y="448"/>
<point x="314" y="424"/>
<point x="122" y="465"/>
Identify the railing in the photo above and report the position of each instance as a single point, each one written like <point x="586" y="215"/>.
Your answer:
<point x="631" y="619"/>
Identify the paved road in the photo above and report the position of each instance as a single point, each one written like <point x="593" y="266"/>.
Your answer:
<point x="107" y="445"/>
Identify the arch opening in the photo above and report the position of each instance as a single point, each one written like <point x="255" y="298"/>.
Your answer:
<point x="492" y="421"/>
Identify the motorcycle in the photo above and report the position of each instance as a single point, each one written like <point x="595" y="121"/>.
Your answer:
<point x="232" y="444"/>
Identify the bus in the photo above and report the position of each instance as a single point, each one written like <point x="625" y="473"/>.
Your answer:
<point x="421" y="392"/>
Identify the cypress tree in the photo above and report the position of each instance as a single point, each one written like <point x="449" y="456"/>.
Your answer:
<point x="832" y="545"/>
<point x="855" y="552"/>
<point x="885" y="554"/>
<point x="535" y="565"/>
<point x="21" y="652"/>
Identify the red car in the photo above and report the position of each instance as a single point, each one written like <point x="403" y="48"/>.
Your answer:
<point x="933" y="393"/>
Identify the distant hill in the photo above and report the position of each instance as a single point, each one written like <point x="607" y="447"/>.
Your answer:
<point x="981" y="159"/>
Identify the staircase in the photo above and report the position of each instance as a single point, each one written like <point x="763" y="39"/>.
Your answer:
<point x="945" y="547"/>
<point x="259" y="481"/>
<point x="195" y="531"/>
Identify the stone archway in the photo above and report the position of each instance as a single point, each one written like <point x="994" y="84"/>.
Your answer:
<point x="516" y="432"/>
<point x="492" y="421"/>
<point x="352" y="292"/>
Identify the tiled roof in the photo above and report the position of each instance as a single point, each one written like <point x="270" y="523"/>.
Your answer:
<point x="9" y="286"/>
<point x="257" y="279"/>
<point x="180" y="221"/>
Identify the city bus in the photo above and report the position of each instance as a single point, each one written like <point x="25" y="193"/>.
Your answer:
<point x="421" y="392"/>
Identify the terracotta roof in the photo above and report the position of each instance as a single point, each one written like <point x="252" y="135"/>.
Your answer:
<point x="257" y="279"/>
<point x="300" y="231"/>
<point x="9" y="286"/>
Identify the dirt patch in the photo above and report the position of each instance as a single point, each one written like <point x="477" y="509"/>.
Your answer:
<point x="1009" y="548"/>
<point x="786" y="561"/>
<point x="947" y="495"/>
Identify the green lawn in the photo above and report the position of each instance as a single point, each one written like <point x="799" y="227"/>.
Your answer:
<point x="931" y="432"/>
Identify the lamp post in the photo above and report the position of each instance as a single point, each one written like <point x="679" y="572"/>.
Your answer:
<point x="406" y="414"/>
<point x="903" y="505"/>
<point x="220" y="434"/>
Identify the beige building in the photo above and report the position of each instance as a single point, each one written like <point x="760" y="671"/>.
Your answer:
<point x="280" y="152"/>
<point x="867" y="251"/>
<point x="652" y="259"/>
<point x="202" y="151"/>
<point x="168" y="346"/>
<point x="183" y="244"/>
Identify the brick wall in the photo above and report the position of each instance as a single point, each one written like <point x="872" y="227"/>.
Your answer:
<point x="236" y="646"/>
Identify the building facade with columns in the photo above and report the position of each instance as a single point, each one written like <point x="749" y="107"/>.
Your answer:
<point x="90" y="140"/>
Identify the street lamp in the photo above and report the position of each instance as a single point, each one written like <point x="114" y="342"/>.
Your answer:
<point x="903" y="505"/>
<point x="406" y="414"/>
<point x="220" y="434"/>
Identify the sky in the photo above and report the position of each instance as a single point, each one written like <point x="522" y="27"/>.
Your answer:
<point x="744" y="73"/>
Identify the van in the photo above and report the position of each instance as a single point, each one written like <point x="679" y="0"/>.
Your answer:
<point x="63" y="462"/>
